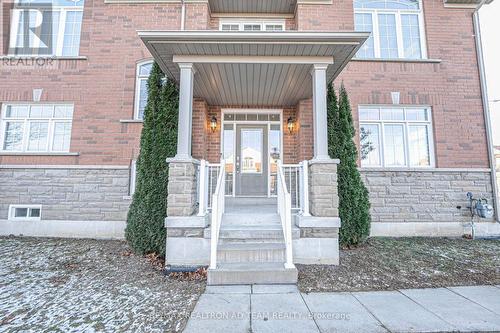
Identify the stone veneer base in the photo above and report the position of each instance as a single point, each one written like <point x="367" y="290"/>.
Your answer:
<point x="433" y="229"/>
<point x="64" y="229"/>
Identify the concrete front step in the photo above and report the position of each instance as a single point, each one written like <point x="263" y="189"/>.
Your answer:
<point x="250" y="219"/>
<point x="258" y="233"/>
<point x="241" y="252"/>
<point x="251" y="273"/>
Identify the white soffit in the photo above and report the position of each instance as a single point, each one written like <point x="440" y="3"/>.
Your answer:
<point x="253" y="6"/>
<point x="260" y="69"/>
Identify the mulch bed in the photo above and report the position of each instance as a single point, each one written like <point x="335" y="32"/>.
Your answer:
<point x="400" y="263"/>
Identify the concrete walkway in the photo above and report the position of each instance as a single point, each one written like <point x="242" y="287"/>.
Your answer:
<point x="281" y="308"/>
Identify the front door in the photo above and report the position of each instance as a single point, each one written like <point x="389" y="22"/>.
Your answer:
<point x="251" y="160"/>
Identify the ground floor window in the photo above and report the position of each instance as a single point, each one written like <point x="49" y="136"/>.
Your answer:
<point x="36" y="127"/>
<point x="396" y="136"/>
<point x="25" y="212"/>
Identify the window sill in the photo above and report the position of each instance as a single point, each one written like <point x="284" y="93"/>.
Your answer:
<point x="6" y="153"/>
<point x="27" y="57"/>
<point x="131" y="121"/>
<point x="422" y="169"/>
<point x="432" y="61"/>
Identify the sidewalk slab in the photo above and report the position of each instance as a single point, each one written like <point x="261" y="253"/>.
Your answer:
<point x="274" y="289"/>
<point x="345" y="312"/>
<point x="236" y="289"/>
<point x="283" y="313"/>
<point x="455" y="309"/>
<point x="398" y="313"/>
<point x="487" y="296"/>
<point x="220" y="313"/>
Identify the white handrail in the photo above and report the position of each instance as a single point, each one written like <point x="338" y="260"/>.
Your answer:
<point x="207" y="175"/>
<point x="218" y="204"/>
<point x="285" y="213"/>
<point x="297" y="181"/>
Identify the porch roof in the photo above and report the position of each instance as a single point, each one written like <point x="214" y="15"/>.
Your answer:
<point x="252" y="68"/>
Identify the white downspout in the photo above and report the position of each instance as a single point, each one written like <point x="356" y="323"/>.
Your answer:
<point x="183" y="15"/>
<point x="486" y="106"/>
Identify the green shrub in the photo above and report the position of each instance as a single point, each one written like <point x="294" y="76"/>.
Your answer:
<point x="354" y="204"/>
<point x="145" y="231"/>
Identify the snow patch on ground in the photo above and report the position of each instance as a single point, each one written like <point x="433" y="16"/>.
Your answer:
<point x="87" y="285"/>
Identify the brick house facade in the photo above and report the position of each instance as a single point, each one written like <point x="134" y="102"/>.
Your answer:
<point x="85" y="190"/>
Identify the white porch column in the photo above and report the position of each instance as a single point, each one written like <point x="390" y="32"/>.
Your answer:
<point x="320" y="125"/>
<point x="184" y="134"/>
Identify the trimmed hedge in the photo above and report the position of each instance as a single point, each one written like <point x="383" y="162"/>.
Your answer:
<point x="354" y="204"/>
<point x="145" y="231"/>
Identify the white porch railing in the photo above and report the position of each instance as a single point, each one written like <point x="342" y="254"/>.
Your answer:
<point x="208" y="174"/>
<point x="297" y="182"/>
<point x="218" y="204"/>
<point x="285" y="213"/>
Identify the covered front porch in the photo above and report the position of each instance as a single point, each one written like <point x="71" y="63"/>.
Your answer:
<point x="252" y="127"/>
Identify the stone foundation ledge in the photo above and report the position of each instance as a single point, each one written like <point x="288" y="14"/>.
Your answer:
<point x="186" y="226"/>
<point x="318" y="242"/>
<point x="317" y="227"/>
<point x="434" y="229"/>
<point x="64" y="228"/>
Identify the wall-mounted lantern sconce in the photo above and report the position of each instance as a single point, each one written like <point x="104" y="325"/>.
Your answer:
<point x="213" y="124"/>
<point x="290" y="123"/>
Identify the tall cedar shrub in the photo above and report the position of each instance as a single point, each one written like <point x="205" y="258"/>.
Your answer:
<point x="145" y="230"/>
<point x="354" y="204"/>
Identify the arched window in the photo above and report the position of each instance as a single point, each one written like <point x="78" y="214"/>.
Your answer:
<point x="396" y="26"/>
<point x="141" y="87"/>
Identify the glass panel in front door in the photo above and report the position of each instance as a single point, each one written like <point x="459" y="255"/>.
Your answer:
<point x="228" y="155"/>
<point x="251" y="150"/>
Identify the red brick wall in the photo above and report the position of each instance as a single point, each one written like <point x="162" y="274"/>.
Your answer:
<point x="213" y="139"/>
<point x="336" y="17"/>
<point x="197" y="16"/>
<point x="451" y="87"/>
<point x="305" y="130"/>
<point x="200" y="129"/>
<point x="102" y="86"/>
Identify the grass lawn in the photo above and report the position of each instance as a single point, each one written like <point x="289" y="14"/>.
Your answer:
<point x="396" y="263"/>
<point x="83" y="285"/>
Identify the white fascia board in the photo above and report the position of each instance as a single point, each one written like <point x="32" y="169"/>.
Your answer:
<point x="290" y="37"/>
<point x="252" y="59"/>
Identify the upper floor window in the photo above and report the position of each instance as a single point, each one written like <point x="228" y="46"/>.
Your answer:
<point x="36" y="127"/>
<point x="396" y="26"/>
<point x="141" y="88"/>
<point x="38" y="29"/>
<point x="395" y="136"/>
<point x="252" y="25"/>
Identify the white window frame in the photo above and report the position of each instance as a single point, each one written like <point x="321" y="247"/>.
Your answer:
<point x="242" y="22"/>
<point x="138" y="79"/>
<point x="63" y="10"/>
<point x="133" y="176"/>
<point x="26" y="123"/>
<point x="12" y="216"/>
<point x="235" y="122"/>
<point x="399" y="29"/>
<point x="406" y="124"/>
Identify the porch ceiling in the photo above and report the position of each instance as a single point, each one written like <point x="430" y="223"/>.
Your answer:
<point x="253" y="6"/>
<point x="254" y="69"/>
